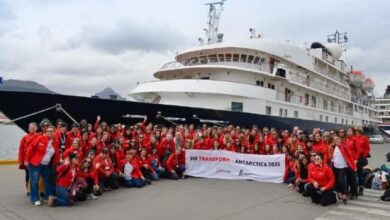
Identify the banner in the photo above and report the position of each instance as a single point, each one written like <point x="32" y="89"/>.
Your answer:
<point x="222" y="164"/>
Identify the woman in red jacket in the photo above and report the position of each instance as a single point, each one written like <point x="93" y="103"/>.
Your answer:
<point x="320" y="147"/>
<point x="24" y="143"/>
<point x="40" y="157"/>
<point x="130" y="172"/>
<point x="87" y="172"/>
<point x="342" y="160"/>
<point x="174" y="170"/>
<point x="348" y="139"/>
<point x="66" y="175"/>
<point x="363" y="148"/>
<point x="321" y="182"/>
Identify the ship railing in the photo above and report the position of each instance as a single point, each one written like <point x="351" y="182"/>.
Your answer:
<point x="260" y="66"/>
<point x="325" y="72"/>
<point x="319" y="85"/>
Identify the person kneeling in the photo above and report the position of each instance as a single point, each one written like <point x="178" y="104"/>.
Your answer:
<point x="175" y="171"/>
<point x="66" y="176"/>
<point x="321" y="182"/>
<point x="130" y="172"/>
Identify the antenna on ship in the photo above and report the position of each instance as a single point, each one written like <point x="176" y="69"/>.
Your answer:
<point x="339" y="38"/>
<point x="211" y="31"/>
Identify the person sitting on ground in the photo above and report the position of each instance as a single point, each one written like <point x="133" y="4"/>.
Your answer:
<point x="174" y="171"/>
<point x="321" y="181"/>
<point x="130" y="172"/>
<point x="107" y="177"/>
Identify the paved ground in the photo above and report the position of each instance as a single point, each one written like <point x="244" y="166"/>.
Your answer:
<point x="193" y="198"/>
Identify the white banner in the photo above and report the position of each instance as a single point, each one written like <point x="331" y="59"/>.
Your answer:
<point x="222" y="164"/>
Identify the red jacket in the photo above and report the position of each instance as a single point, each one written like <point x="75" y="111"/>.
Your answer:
<point x="166" y="145"/>
<point x="350" y="142"/>
<point x="348" y="156"/>
<point x="78" y="151"/>
<point x="322" y="175"/>
<point x="70" y="136"/>
<point x="37" y="149"/>
<point x="23" y="145"/>
<point x="105" y="165"/>
<point x="172" y="162"/>
<point x="323" y="148"/>
<point x="136" y="173"/>
<point x="65" y="175"/>
<point x="88" y="174"/>
<point x="363" y="145"/>
<point x="143" y="162"/>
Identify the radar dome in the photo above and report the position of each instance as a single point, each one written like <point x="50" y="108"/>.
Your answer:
<point x="335" y="50"/>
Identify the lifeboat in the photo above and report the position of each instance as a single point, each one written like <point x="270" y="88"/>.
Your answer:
<point x="368" y="84"/>
<point x="356" y="77"/>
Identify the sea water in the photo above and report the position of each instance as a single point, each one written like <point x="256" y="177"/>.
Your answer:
<point x="10" y="136"/>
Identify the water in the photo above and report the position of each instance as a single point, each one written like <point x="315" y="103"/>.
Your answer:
<point x="10" y="136"/>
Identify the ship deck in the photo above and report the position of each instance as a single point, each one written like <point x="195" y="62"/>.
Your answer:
<point x="192" y="198"/>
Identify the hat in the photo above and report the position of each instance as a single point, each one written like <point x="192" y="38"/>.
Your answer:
<point x="45" y="121"/>
<point x="72" y="156"/>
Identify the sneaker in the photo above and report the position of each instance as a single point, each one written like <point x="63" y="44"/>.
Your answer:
<point x="91" y="196"/>
<point x="37" y="203"/>
<point x="50" y="202"/>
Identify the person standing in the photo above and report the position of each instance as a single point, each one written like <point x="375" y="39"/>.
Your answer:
<point x="40" y="157"/>
<point x="363" y="148"/>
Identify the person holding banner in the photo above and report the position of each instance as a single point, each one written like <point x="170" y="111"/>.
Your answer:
<point x="321" y="182"/>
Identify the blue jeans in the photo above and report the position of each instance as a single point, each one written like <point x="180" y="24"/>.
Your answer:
<point x="134" y="183"/>
<point x="159" y="171"/>
<point x="35" y="172"/>
<point x="62" y="197"/>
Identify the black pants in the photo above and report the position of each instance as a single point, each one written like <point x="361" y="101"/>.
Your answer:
<point x="352" y="182"/>
<point x="110" y="181"/>
<point x="341" y="179"/>
<point x="179" y="173"/>
<point x="324" y="198"/>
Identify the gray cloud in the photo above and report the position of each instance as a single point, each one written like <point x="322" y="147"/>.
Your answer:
<point x="125" y="36"/>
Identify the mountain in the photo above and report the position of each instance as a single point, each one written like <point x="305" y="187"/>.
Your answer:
<point x="23" y="86"/>
<point x="108" y="93"/>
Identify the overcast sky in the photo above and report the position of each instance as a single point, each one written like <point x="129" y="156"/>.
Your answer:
<point x="82" y="46"/>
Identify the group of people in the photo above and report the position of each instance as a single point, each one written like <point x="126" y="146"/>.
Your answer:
<point x="64" y="164"/>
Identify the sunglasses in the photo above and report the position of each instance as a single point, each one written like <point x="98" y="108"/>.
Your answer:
<point x="49" y="131"/>
<point x="317" y="159"/>
<point x="105" y="152"/>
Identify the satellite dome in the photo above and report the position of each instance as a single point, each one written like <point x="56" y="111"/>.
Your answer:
<point x="335" y="50"/>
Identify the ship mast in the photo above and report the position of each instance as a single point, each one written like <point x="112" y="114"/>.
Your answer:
<point x="211" y="32"/>
<point x="339" y="38"/>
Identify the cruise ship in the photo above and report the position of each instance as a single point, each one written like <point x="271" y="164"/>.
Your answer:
<point x="266" y="77"/>
<point x="382" y="105"/>
<point x="258" y="80"/>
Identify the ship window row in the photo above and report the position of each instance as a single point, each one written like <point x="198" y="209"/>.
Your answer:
<point x="235" y="57"/>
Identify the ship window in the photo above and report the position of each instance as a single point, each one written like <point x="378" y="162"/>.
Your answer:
<point x="243" y="58"/>
<point x="287" y="95"/>
<point x="332" y="105"/>
<point x="321" y="118"/>
<point x="237" y="106"/>
<point x="281" y="73"/>
<point x="346" y="121"/>
<point x="205" y="77"/>
<point x="213" y="58"/>
<point x="236" y="57"/>
<point x="356" y="109"/>
<point x="260" y="83"/>
<point x="221" y="57"/>
<point x="342" y="121"/>
<point x="314" y="101"/>
<point x="335" y="120"/>
<point x="326" y="118"/>
<point x="285" y="112"/>
<point x="256" y="61"/>
<point x="269" y="85"/>
<point x="325" y="104"/>
<point x="194" y="60"/>
<point x="203" y="59"/>
<point x="228" y="57"/>
<point x="307" y="99"/>
<point x="250" y="59"/>
<point x="281" y="112"/>
<point x="296" y="114"/>
<point x="272" y="86"/>
<point x="268" y="110"/>
<point x="262" y="60"/>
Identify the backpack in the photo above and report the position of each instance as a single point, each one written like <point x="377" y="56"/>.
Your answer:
<point x="388" y="157"/>
<point x="368" y="180"/>
<point x="386" y="196"/>
<point x="377" y="181"/>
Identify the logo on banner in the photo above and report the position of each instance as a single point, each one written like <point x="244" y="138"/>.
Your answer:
<point x="242" y="173"/>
